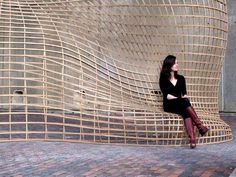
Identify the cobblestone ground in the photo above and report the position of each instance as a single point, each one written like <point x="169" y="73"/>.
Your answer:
<point x="78" y="159"/>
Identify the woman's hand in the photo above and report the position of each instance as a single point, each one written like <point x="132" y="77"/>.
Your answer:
<point x="171" y="97"/>
<point x="185" y="96"/>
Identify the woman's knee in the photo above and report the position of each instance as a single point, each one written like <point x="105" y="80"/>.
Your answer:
<point x="185" y="102"/>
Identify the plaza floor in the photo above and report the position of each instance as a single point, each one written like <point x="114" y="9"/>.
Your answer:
<point x="78" y="159"/>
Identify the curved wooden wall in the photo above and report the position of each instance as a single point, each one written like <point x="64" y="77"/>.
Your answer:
<point x="87" y="70"/>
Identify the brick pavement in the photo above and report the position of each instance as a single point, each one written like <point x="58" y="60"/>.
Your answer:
<point x="20" y="159"/>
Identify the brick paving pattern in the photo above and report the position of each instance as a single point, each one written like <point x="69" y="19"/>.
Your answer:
<point x="20" y="159"/>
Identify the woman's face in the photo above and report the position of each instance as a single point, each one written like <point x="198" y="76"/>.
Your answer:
<point x="175" y="67"/>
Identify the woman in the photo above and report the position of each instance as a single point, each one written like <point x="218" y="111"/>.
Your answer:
<point x="175" y="98"/>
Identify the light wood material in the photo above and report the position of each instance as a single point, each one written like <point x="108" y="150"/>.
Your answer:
<point x="87" y="70"/>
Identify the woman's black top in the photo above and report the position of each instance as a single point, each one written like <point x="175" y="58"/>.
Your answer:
<point x="175" y="105"/>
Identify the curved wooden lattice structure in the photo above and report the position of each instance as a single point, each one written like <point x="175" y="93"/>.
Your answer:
<point x="87" y="70"/>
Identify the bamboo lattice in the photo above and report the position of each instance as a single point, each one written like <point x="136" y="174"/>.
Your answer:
<point x="88" y="70"/>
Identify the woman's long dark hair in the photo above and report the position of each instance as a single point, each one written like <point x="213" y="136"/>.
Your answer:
<point x="166" y="67"/>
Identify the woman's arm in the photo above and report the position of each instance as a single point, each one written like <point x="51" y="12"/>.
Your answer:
<point x="183" y="89"/>
<point x="163" y="86"/>
<point x="184" y="96"/>
<point x="171" y="97"/>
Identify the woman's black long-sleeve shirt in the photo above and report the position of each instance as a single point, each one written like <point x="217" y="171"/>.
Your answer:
<point x="168" y="88"/>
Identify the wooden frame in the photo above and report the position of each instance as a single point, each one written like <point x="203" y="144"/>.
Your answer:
<point x="87" y="70"/>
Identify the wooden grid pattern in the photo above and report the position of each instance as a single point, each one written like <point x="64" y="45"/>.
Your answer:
<point x="87" y="70"/>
